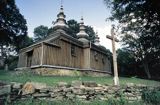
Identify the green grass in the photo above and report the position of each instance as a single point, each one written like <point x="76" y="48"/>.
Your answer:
<point x="75" y="102"/>
<point x="11" y="76"/>
<point x="52" y="80"/>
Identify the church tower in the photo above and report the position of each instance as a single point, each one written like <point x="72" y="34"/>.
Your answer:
<point x="82" y="35"/>
<point x="60" y="22"/>
<point x="96" y="41"/>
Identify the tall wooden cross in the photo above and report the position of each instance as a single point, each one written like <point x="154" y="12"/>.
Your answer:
<point x="112" y="37"/>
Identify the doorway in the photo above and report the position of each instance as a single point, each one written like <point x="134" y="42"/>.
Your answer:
<point x="29" y="58"/>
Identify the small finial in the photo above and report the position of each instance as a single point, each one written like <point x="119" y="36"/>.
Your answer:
<point x="81" y="14"/>
<point x="97" y="32"/>
<point x="97" y="39"/>
<point x="81" y="17"/>
<point x="61" y="3"/>
<point x="61" y="9"/>
<point x="82" y="20"/>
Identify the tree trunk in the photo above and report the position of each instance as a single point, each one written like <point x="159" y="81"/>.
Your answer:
<point x="1" y="48"/>
<point x="2" y="55"/>
<point x="6" y="67"/>
<point x="146" y="69"/>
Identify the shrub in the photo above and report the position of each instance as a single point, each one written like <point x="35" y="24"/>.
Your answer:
<point x="151" y="96"/>
<point x="12" y="62"/>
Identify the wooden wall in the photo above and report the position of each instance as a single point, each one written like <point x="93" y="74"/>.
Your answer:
<point x="86" y="58"/>
<point x="62" y="56"/>
<point x="99" y="61"/>
<point x="36" y="56"/>
<point x="22" y="59"/>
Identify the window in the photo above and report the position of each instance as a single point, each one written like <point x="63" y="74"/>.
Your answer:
<point x="73" y="52"/>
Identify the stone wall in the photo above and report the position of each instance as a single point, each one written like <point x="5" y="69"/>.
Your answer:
<point x="65" y="72"/>
<point x="87" y="90"/>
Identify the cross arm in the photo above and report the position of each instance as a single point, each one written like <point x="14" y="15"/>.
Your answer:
<point x="111" y="38"/>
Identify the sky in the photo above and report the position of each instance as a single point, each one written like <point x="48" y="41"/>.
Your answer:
<point x="43" y="12"/>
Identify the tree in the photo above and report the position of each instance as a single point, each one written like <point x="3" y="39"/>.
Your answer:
<point x="13" y="29"/>
<point x="139" y="22"/>
<point x="28" y="41"/>
<point x="126" y="62"/>
<point x="40" y="32"/>
<point x="91" y="33"/>
<point x="12" y="24"/>
<point x="74" y="29"/>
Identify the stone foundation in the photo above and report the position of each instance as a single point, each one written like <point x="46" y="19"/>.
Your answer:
<point x="65" y="72"/>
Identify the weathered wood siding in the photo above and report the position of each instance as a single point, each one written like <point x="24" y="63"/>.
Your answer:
<point x="22" y="60"/>
<point x="86" y="58"/>
<point x="50" y="56"/>
<point x="62" y="56"/>
<point x="59" y="52"/>
<point x="99" y="61"/>
<point x="35" y="58"/>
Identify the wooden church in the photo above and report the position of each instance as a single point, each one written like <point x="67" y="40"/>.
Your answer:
<point x="61" y="51"/>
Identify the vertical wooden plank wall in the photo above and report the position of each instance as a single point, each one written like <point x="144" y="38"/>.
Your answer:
<point x="50" y="55"/>
<point x="86" y="58"/>
<point x="36" y="58"/>
<point x="62" y="56"/>
<point x="101" y="63"/>
<point x="22" y="60"/>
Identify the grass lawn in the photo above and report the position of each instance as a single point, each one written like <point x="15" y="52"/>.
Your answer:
<point x="52" y="80"/>
<point x="75" y="102"/>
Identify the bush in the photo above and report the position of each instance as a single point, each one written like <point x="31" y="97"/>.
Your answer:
<point x="13" y="61"/>
<point x="151" y="96"/>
